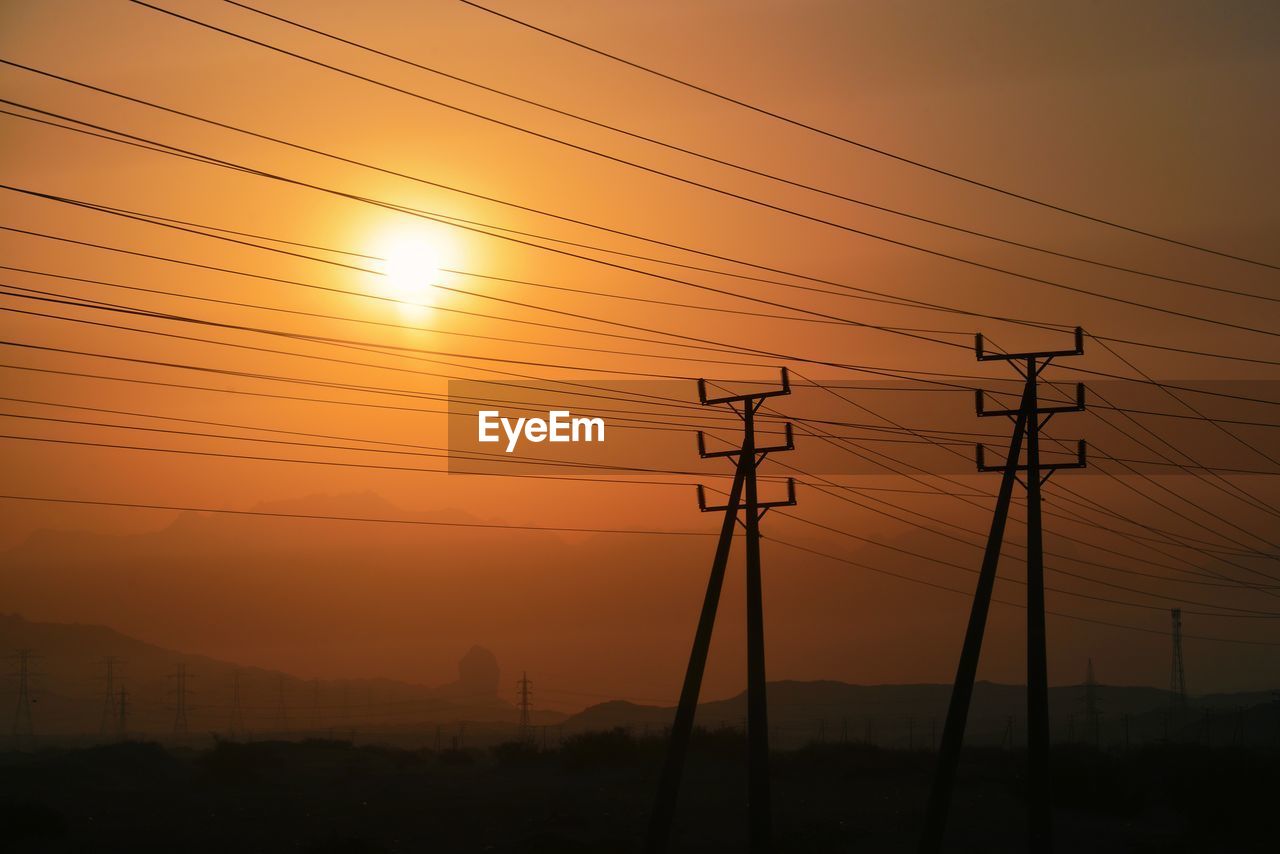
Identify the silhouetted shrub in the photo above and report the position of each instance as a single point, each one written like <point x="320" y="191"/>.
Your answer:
<point x="516" y="753"/>
<point x="25" y="821"/>
<point x="456" y="756"/>
<point x="613" y="748"/>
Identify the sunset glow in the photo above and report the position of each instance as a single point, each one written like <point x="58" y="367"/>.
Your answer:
<point x="655" y="427"/>
<point x="411" y="269"/>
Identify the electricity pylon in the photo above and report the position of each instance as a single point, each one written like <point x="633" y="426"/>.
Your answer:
<point x="122" y="717"/>
<point x="1177" y="676"/>
<point x="1028" y="420"/>
<point x="22" y="727"/>
<point x="109" y="699"/>
<point x="1092" y="710"/>
<point x="282" y="710"/>
<point x="180" y="700"/>
<point x="748" y="459"/>
<point x="237" y="712"/>
<point x="526" y="730"/>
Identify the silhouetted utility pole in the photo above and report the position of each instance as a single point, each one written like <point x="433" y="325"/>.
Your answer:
<point x="122" y="717"/>
<point x="315" y="704"/>
<point x="1092" y="713"/>
<point x="109" y="699"/>
<point x="1028" y="419"/>
<point x="22" y="726"/>
<point x="1177" y="676"/>
<point x="526" y="729"/>
<point x="180" y="700"/>
<point x="748" y="459"/>
<point x="237" y="713"/>
<point x="282" y="711"/>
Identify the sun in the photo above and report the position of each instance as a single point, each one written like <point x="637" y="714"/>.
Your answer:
<point x="412" y="266"/>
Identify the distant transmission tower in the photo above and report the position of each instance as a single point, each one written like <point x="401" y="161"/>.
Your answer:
<point x="315" y="704"/>
<point x="122" y="716"/>
<point x="180" y="700"/>
<point x="526" y="730"/>
<point x="22" y="727"/>
<point x="237" y="713"/>
<point x="1177" y="676"/>
<point x="109" y="699"/>
<point x="282" y="713"/>
<point x="1092" y="713"/>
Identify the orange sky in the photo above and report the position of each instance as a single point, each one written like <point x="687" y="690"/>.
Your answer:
<point x="1159" y="115"/>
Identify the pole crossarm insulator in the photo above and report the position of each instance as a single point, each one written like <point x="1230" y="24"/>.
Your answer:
<point x="789" y="501"/>
<point x="983" y="412"/>
<point x="979" y="347"/>
<point x="735" y="398"/>
<point x="1081" y="460"/>
<point x="788" y="445"/>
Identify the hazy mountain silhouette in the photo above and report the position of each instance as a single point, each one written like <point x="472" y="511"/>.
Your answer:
<point x="902" y="715"/>
<point x="69" y="687"/>
<point x="593" y="615"/>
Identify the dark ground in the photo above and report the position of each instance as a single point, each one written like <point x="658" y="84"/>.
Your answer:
<point x="594" y="795"/>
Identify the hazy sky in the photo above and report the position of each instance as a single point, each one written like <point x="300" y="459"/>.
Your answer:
<point x="1157" y="115"/>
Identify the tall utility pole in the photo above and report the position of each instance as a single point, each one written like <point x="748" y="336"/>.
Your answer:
<point x="748" y="458"/>
<point x="22" y="727"/>
<point x="109" y="698"/>
<point x="523" y="685"/>
<point x="180" y="700"/>
<point x="1028" y="420"/>
<point x="1177" y="677"/>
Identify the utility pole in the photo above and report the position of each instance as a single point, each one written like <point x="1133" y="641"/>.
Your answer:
<point x="108" y="724"/>
<point x="122" y="718"/>
<point x="748" y="458"/>
<point x="1028" y="420"/>
<point x="526" y="730"/>
<point x="315" y="705"/>
<point x="180" y="702"/>
<point x="1177" y="676"/>
<point x="1092" y="713"/>
<point x="237" y="713"/>
<point x="23" y="729"/>
<point x="282" y="712"/>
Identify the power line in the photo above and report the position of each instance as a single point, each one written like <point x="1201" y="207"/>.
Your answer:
<point x="333" y="518"/>
<point x="691" y="182"/>
<point x="997" y="600"/>
<point x="866" y="146"/>
<point x="738" y="166"/>
<point x="480" y="229"/>
<point x="714" y="345"/>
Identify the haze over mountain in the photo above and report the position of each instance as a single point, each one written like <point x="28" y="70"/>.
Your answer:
<point x="68" y="688"/>
<point x="589" y="617"/>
